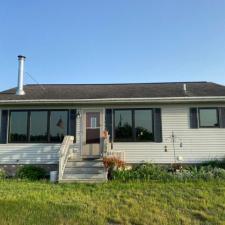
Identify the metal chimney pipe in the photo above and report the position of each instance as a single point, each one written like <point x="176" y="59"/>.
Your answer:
<point x="185" y="88"/>
<point x="20" y="90"/>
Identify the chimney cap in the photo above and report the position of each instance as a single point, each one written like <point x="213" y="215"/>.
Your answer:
<point x="21" y="57"/>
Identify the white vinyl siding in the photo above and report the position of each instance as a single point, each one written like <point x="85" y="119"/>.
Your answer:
<point x="0" y="122"/>
<point x="27" y="153"/>
<point x="198" y="144"/>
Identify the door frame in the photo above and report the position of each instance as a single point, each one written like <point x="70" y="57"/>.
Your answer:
<point x="83" y="129"/>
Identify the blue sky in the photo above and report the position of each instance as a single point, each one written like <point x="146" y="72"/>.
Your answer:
<point x="112" y="41"/>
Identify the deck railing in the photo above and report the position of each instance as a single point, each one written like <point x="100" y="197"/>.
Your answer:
<point x="109" y="152"/>
<point x="64" y="154"/>
<point x="118" y="154"/>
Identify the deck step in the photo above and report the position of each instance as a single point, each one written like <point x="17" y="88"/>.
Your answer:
<point x="82" y="180"/>
<point x="79" y="176"/>
<point x="91" y="170"/>
<point x="87" y="171"/>
<point x="75" y="157"/>
<point x="74" y="163"/>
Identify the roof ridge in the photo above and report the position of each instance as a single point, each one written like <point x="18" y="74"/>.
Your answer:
<point x="175" y="82"/>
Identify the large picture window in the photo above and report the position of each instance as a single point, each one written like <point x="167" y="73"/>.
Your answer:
<point x="143" y="125"/>
<point x="38" y="126"/>
<point x="58" y="125"/>
<point x="133" y="125"/>
<point x="18" y="126"/>
<point x="123" y="125"/>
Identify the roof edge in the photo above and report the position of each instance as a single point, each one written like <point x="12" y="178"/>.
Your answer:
<point x="118" y="100"/>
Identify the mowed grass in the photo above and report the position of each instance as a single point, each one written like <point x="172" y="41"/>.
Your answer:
<point x="23" y="202"/>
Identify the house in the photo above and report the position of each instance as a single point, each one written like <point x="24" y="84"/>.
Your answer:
<point x="63" y="124"/>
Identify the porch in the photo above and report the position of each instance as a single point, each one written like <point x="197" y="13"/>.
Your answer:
<point x="74" y="168"/>
<point x="81" y="158"/>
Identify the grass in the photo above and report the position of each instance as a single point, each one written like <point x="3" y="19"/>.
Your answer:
<point x="200" y="202"/>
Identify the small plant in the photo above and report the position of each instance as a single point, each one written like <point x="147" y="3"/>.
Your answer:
<point x="2" y="174"/>
<point x="176" y="167"/>
<point x="113" y="163"/>
<point x="31" y="172"/>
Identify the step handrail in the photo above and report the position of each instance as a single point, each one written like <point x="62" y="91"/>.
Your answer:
<point x="64" y="154"/>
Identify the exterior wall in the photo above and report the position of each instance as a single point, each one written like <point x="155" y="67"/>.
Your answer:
<point x="28" y="153"/>
<point x="198" y="144"/>
<point x="0" y="120"/>
<point x="11" y="169"/>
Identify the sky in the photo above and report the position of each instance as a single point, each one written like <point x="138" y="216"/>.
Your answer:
<point x="112" y="41"/>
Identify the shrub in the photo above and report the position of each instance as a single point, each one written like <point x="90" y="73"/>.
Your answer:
<point x="2" y="173"/>
<point x="214" y="163"/>
<point x="143" y="172"/>
<point x="201" y="173"/>
<point x="148" y="172"/>
<point x="31" y="172"/>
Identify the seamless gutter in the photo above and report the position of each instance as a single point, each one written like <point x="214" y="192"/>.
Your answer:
<point x="119" y="100"/>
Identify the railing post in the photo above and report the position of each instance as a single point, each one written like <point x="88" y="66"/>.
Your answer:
<point x="64" y="154"/>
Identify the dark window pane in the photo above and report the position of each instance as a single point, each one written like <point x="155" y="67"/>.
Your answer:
<point x="123" y="125"/>
<point x="143" y="125"/>
<point x="208" y="118"/>
<point x="92" y="127"/>
<point x="38" y="126"/>
<point x="92" y="119"/>
<point x="58" y="125"/>
<point x="18" y="127"/>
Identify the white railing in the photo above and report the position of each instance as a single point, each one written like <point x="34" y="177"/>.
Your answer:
<point x="118" y="154"/>
<point x="64" y="154"/>
<point x="109" y="152"/>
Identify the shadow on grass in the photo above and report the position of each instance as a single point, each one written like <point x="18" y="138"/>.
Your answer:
<point x="34" y="213"/>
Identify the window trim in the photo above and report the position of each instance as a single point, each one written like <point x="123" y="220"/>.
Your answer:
<point x="217" y="116"/>
<point x="29" y="122"/>
<point x="133" y="125"/>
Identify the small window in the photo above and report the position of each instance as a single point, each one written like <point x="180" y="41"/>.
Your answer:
<point x="208" y="117"/>
<point x="92" y="127"/>
<point x="18" y="126"/>
<point x="93" y="122"/>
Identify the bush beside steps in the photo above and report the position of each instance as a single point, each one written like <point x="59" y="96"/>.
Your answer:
<point x="31" y="172"/>
<point x="146" y="172"/>
<point x="2" y="174"/>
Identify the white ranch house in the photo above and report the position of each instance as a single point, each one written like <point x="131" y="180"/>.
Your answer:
<point x="62" y="125"/>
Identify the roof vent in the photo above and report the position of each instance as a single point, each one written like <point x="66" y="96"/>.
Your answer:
<point x="20" y="90"/>
<point x="185" y="88"/>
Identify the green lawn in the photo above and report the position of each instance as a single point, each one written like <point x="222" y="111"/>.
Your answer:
<point x="112" y="203"/>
